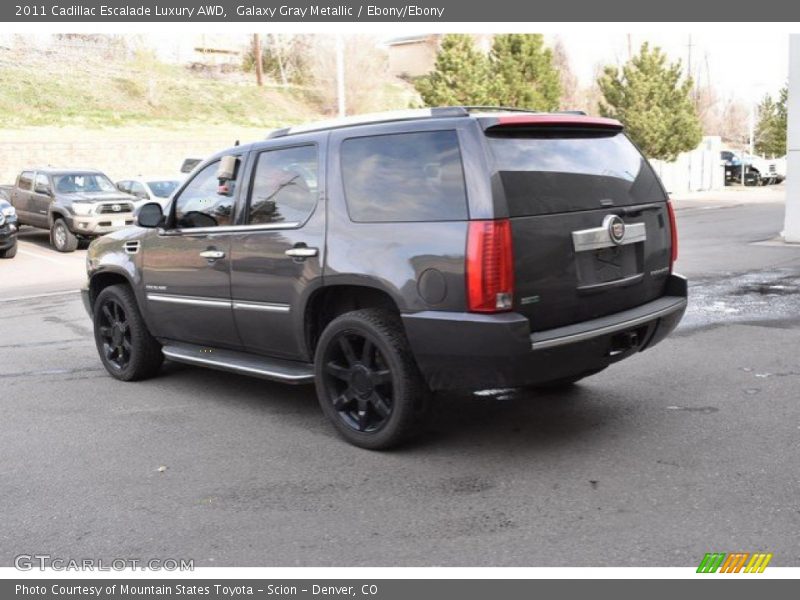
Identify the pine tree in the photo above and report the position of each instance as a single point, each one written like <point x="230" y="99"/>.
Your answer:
<point x="655" y="106"/>
<point x="460" y="75"/>
<point x="770" y="134"/>
<point x="523" y="73"/>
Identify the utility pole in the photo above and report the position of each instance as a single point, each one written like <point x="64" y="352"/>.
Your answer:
<point x="340" y="74"/>
<point x="259" y="59"/>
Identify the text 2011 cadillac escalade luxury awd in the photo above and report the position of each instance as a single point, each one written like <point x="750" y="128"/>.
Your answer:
<point x="385" y="258"/>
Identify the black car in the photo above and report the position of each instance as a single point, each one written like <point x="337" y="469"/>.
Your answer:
<point x="381" y="260"/>
<point x="8" y="228"/>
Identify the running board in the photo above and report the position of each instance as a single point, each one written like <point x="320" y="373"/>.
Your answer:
<point x="286" y="371"/>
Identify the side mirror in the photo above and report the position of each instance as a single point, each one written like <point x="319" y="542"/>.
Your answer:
<point x="227" y="168"/>
<point x="42" y="189"/>
<point x="149" y="215"/>
<point x="142" y="195"/>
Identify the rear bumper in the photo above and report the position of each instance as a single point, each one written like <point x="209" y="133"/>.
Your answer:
<point x="472" y="351"/>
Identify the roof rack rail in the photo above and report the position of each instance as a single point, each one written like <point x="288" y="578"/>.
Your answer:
<point x="366" y="119"/>
<point x="440" y="112"/>
<point x="477" y="108"/>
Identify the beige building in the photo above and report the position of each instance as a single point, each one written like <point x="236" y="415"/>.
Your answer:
<point x="415" y="55"/>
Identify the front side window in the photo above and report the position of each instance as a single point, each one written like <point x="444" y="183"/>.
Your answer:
<point x="163" y="188"/>
<point x="404" y="177"/>
<point x="200" y="204"/>
<point x="124" y="186"/>
<point x="137" y="189"/>
<point x="41" y="182"/>
<point x="284" y="186"/>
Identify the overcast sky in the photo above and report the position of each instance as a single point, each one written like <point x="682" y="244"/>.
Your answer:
<point x="745" y="67"/>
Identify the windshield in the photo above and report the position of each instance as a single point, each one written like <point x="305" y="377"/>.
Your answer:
<point x="560" y="171"/>
<point x="163" y="189"/>
<point x="81" y="183"/>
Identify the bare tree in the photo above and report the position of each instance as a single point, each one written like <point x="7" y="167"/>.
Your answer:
<point x="259" y="59"/>
<point x="366" y="73"/>
<point x="570" y="92"/>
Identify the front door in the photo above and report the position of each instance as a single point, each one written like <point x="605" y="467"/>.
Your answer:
<point x="186" y="266"/>
<point x="41" y="197"/>
<point x="277" y="257"/>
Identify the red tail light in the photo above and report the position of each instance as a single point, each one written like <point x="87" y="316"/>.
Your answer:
<point x="673" y="229"/>
<point x="490" y="266"/>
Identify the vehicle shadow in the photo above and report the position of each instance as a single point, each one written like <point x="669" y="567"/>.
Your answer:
<point x="517" y="418"/>
<point x="39" y="237"/>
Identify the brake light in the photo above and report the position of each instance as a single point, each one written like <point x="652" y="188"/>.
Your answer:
<point x="673" y="232"/>
<point x="490" y="266"/>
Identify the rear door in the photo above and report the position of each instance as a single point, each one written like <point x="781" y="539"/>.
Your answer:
<point x="21" y="196"/>
<point x="278" y="252"/>
<point x="589" y="221"/>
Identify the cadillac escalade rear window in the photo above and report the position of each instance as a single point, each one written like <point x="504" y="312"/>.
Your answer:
<point x="562" y="170"/>
<point x="404" y="177"/>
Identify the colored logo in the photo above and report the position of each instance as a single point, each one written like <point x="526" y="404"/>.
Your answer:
<point x="616" y="228"/>
<point x="735" y="562"/>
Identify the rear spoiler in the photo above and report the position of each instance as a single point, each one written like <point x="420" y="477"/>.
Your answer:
<point x="550" y="120"/>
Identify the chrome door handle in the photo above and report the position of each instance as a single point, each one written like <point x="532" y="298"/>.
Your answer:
<point x="212" y="254"/>
<point x="302" y="252"/>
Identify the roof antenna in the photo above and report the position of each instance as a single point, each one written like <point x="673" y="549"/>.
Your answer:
<point x="236" y="143"/>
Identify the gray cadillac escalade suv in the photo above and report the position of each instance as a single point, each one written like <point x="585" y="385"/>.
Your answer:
<point x="385" y="258"/>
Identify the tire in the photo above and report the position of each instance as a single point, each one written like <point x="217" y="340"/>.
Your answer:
<point x="9" y="252"/>
<point x="368" y="383"/>
<point x="62" y="238"/>
<point x="752" y="178"/>
<point x="126" y="348"/>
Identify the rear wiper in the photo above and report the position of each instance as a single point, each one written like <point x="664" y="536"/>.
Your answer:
<point x="634" y="210"/>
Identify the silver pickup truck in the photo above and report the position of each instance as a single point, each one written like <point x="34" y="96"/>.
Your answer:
<point x="75" y="205"/>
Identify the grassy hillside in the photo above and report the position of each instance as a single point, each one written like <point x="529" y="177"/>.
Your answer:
<point x="88" y="91"/>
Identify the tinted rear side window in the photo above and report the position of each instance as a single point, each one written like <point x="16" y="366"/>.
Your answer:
<point x="562" y="171"/>
<point x="404" y="177"/>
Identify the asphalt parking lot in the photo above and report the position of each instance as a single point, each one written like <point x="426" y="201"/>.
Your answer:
<point x="689" y="448"/>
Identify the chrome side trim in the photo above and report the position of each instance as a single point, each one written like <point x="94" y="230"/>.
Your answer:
<point x="216" y="303"/>
<point x="586" y="335"/>
<point x="598" y="237"/>
<point x="192" y="300"/>
<point x="231" y="229"/>
<point x="229" y="366"/>
<point x="261" y="306"/>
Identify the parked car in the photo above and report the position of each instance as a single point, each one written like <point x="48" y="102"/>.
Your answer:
<point x="8" y="228"/>
<point x="189" y="164"/>
<point x="387" y="258"/>
<point x="146" y="189"/>
<point x="758" y="170"/>
<point x="75" y="205"/>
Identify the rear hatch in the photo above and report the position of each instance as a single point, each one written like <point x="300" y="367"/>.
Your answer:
<point x="589" y="218"/>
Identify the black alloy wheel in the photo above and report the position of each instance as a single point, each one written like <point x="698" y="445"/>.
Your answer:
<point x="368" y="383"/>
<point x="126" y="348"/>
<point x="115" y="332"/>
<point x="359" y="381"/>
